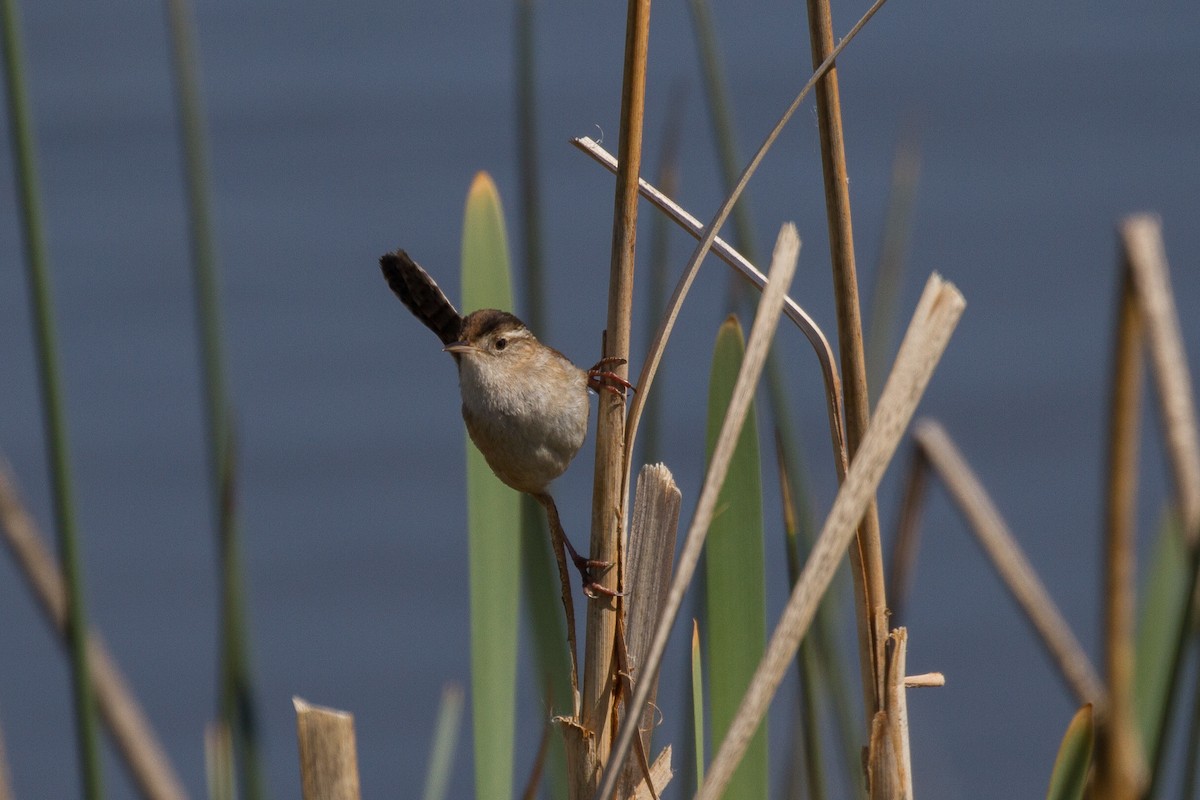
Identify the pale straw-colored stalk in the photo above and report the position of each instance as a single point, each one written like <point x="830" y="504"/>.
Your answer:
<point x="328" y="754"/>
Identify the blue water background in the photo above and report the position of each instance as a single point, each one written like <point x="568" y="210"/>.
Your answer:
<point x="342" y="131"/>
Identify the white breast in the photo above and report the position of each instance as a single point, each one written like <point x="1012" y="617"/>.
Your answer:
<point x="527" y="432"/>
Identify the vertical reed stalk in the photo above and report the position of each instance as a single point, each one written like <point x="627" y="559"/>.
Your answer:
<point x="53" y="418"/>
<point x="1121" y="771"/>
<point x="608" y="505"/>
<point x="866" y="557"/>
<point x="719" y="107"/>
<point x="527" y="169"/>
<point x="236" y="691"/>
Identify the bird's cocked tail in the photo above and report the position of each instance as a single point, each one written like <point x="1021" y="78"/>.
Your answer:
<point x="421" y="294"/>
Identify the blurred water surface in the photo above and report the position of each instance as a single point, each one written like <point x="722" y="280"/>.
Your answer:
<point x="340" y="132"/>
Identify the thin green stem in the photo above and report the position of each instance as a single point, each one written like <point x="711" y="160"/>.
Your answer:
<point x="236" y="691"/>
<point x="54" y="420"/>
<point x="720" y="108"/>
<point x="528" y="169"/>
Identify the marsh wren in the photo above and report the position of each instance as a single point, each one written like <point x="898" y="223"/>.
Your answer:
<point x="525" y="404"/>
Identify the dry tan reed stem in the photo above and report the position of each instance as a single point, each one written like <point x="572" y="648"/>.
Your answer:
<point x="925" y="680"/>
<point x="126" y="722"/>
<point x="897" y="709"/>
<point x="1014" y="569"/>
<point x="1147" y="258"/>
<point x="651" y="556"/>
<point x="762" y="331"/>
<point x="608" y="496"/>
<point x="934" y="320"/>
<point x="866" y="559"/>
<point x="660" y="773"/>
<point x="328" y="757"/>
<point x="1121" y="770"/>
<point x="722" y="249"/>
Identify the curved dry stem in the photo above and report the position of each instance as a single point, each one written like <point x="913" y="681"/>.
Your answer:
<point x="742" y="265"/>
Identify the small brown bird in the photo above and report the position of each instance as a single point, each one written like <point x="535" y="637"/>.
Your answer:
<point x="525" y="404"/>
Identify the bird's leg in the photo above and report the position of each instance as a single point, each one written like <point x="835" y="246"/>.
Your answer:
<point x="585" y="565"/>
<point x="556" y="542"/>
<point x="601" y="378"/>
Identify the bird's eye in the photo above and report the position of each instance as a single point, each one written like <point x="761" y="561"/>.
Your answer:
<point x="501" y="343"/>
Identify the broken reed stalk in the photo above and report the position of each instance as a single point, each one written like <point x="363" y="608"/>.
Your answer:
<point x="610" y="477"/>
<point x="998" y="542"/>
<point x="897" y="709"/>
<point x="934" y="320"/>
<point x="650" y="559"/>
<point x="136" y="742"/>
<point x="1121" y="771"/>
<point x="1141" y="236"/>
<point x="866" y="559"/>
<point x="328" y="756"/>
<point x="660" y="774"/>
<point x="783" y="266"/>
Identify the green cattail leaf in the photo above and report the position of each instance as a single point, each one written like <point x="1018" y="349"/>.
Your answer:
<point x="493" y="522"/>
<point x="1164" y="599"/>
<point x="1069" y="778"/>
<point x="735" y="573"/>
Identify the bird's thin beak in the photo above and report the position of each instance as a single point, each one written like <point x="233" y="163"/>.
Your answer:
<point x="459" y="347"/>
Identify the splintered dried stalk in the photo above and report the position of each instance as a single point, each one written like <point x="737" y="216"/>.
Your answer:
<point x="328" y="756"/>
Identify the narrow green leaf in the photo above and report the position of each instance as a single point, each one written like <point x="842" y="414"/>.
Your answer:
<point x="493" y="522"/>
<point x="1074" y="758"/>
<point x="21" y="135"/>
<point x="1164" y="596"/>
<point x="735" y="579"/>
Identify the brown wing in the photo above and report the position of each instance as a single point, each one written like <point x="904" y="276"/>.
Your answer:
<point x="421" y="294"/>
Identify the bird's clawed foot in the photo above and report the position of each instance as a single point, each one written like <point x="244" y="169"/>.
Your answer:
<point x="599" y="377"/>
<point x="591" y="587"/>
